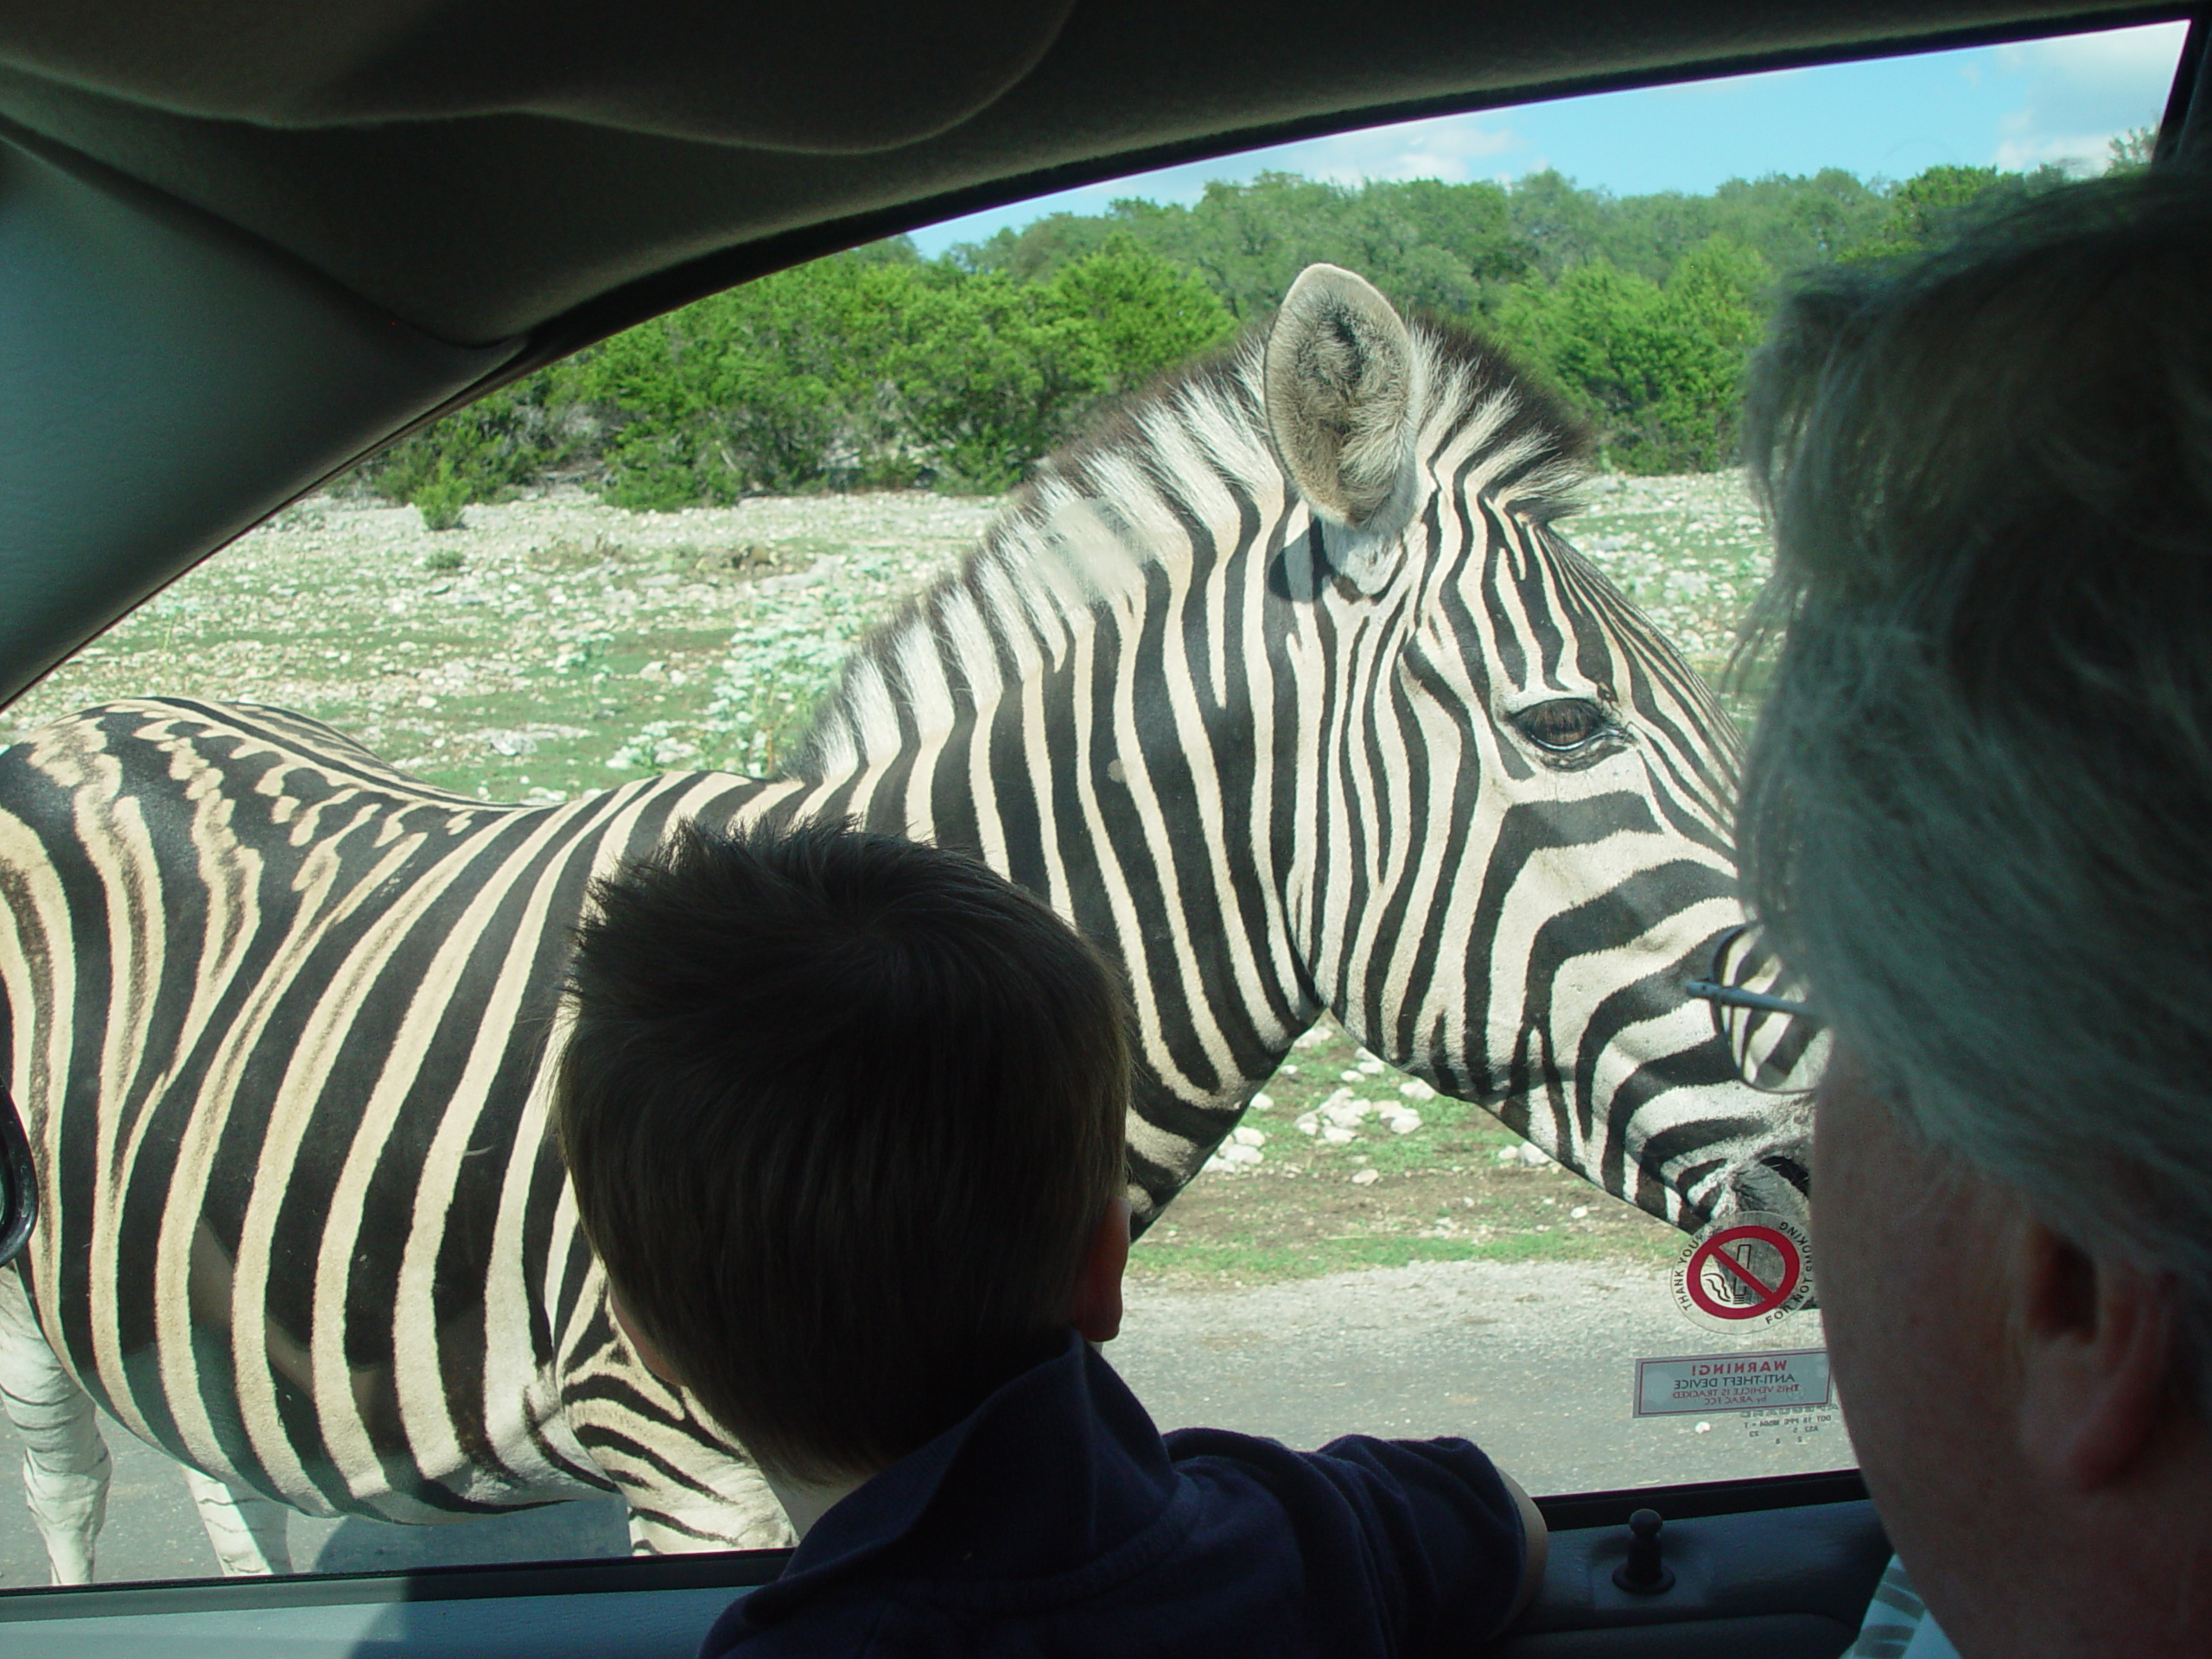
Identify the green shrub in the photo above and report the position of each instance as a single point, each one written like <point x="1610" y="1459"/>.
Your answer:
<point x="505" y="440"/>
<point x="441" y="496"/>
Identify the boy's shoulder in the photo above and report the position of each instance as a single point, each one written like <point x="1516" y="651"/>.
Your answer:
<point x="1057" y="1515"/>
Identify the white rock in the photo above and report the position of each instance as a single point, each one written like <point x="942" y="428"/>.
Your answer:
<point x="1534" y="1156"/>
<point x="1346" y="1114"/>
<point x="1580" y="1211"/>
<point x="655" y="670"/>
<point x="1404" y="1122"/>
<point x="1350" y="1077"/>
<point x="1237" y="1152"/>
<point x="1244" y="1137"/>
<point x="1306" y="1122"/>
<point x="1508" y="1154"/>
<point x="1262" y="1103"/>
<point x="1215" y="1166"/>
<point x="1372" y="1068"/>
<point x="1336" y="1135"/>
<point x="1289" y="1069"/>
<point x="1414" y="1089"/>
<point x="1367" y="1177"/>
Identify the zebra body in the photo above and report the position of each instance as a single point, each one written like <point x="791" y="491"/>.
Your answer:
<point x="1286" y="691"/>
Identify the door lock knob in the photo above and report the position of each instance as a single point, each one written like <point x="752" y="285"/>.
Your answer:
<point x="1644" y="1573"/>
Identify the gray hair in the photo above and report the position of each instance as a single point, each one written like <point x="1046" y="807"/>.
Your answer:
<point x="1977" y="813"/>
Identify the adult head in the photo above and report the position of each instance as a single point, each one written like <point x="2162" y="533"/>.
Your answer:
<point x="1977" y="819"/>
<point x="844" y="1115"/>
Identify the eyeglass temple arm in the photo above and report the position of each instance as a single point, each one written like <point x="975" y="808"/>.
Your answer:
<point x="1736" y="997"/>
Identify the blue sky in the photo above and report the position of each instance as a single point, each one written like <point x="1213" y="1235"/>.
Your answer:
<point x="2015" y="107"/>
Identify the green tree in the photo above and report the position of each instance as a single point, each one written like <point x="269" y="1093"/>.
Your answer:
<point x="2131" y="151"/>
<point x="1930" y="206"/>
<point x="992" y="373"/>
<point x="1713" y="308"/>
<point x="1439" y="247"/>
<point x="1149" y="316"/>
<point x="1032" y="253"/>
<point x="1561" y="224"/>
<point x="776" y="386"/>
<point x="1656" y="370"/>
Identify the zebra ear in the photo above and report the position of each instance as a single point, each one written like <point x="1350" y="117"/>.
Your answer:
<point x="1340" y="388"/>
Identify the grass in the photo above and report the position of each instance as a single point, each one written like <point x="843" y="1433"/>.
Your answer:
<point x="551" y="647"/>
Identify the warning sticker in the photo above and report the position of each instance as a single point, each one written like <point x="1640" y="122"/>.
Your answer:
<point x="1792" y="1379"/>
<point x="1744" y="1272"/>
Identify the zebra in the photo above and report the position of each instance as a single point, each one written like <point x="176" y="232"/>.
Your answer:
<point x="1284" y="687"/>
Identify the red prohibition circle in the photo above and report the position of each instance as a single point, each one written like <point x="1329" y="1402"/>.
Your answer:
<point x="1769" y="1297"/>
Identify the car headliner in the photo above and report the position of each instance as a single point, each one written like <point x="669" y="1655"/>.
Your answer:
<point x="484" y="168"/>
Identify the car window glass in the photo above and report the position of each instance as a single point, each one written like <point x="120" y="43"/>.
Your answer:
<point x="655" y="557"/>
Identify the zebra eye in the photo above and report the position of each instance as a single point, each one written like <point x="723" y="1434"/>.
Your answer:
<point x="1561" y="725"/>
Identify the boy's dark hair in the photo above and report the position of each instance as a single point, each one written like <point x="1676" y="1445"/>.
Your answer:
<point x="842" y="1113"/>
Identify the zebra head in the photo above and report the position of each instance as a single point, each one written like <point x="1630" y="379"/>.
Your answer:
<point x="1512" y="845"/>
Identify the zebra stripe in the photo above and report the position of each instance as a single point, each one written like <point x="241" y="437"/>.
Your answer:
<point x="281" y="1016"/>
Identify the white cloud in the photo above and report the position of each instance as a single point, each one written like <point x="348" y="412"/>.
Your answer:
<point x="2083" y="91"/>
<point x="1441" y="148"/>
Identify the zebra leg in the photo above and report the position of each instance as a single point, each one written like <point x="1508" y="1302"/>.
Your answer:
<point x="66" y="1464"/>
<point x="247" y="1528"/>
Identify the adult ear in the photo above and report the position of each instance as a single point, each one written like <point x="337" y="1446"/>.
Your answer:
<point x="1340" y="382"/>
<point x="2097" y="1355"/>
<point x="1096" y="1311"/>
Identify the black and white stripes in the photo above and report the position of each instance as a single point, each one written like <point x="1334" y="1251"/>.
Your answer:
<point x="281" y="1016"/>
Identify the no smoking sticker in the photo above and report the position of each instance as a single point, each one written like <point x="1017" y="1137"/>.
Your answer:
<point x="1744" y="1273"/>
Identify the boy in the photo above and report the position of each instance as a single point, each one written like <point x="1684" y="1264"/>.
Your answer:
<point x="844" y="1115"/>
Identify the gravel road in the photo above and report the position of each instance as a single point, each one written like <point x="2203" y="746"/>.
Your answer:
<point x="1533" y="1360"/>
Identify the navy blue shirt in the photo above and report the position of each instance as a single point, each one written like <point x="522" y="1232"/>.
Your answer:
<point x="1056" y="1520"/>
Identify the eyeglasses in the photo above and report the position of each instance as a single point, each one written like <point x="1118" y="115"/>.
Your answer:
<point x="1780" y="1043"/>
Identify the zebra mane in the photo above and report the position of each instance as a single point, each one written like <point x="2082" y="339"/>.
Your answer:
<point x="1101" y="515"/>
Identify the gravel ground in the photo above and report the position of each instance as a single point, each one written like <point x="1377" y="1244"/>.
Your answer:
<point x="547" y="647"/>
